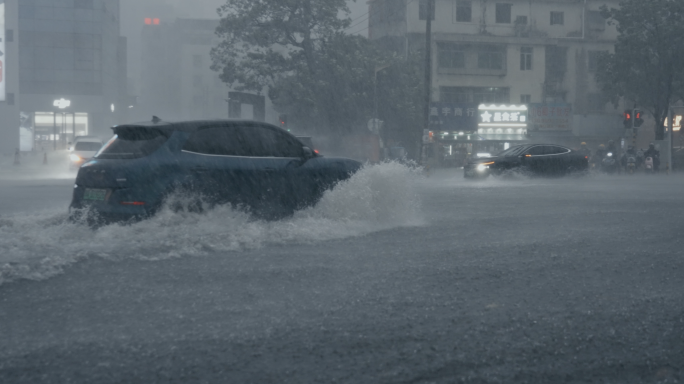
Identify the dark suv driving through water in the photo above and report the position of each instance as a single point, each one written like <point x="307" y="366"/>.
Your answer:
<point x="250" y="164"/>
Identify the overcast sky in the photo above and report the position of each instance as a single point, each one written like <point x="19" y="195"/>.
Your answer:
<point x="133" y="12"/>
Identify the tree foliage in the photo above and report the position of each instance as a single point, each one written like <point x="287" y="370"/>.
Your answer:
<point x="647" y="66"/>
<point x="314" y="72"/>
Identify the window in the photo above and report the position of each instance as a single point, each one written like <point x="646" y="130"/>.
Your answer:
<point x="490" y="59"/>
<point x="464" y="11"/>
<point x="132" y="142"/>
<point x="423" y="6"/>
<point x="526" y="58"/>
<point x="451" y="56"/>
<point x="218" y="141"/>
<point x="537" y="150"/>
<point x="525" y="99"/>
<point x="503" y="13"/>
<point x="557" y="18"/>
<point x="89" y="146"/>
<point x="593" y="59"/>
<point x="540" y="150"/>
<point x="473" y="95"/>
<point x="267" y="142"/>
<point x="555" y="150"/>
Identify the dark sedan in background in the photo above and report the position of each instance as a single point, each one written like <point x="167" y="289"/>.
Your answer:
<point x="244" y="163"/>
<point x="532" y="159"/>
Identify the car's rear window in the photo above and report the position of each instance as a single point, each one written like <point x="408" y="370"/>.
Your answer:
<point x="89" y="146"/>
<point x="132" y="143"/>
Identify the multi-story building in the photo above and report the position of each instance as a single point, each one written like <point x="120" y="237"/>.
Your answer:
<point x="540" y="55"/>
<point x="65" y="72"/>
<point x="177" y="81"/>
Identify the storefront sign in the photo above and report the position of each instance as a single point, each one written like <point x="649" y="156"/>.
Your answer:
<point x="502" y="116"/>
<point x="62" y="103"/>
<point x="677" y="123"/>
<point x="551" y="117"/>
<point x="453" y="116"/>
<point x="3" y="55"/>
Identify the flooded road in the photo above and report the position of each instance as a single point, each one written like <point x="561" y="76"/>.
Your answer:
<point x="493" y="281"/>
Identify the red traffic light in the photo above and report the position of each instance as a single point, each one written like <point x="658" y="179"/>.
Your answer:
<point x="638" y="121"/>
<point x="627" y="122"/>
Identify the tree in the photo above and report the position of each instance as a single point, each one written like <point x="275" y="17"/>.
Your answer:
<point x="322" y="78"/>
<point x="647" y="66"/>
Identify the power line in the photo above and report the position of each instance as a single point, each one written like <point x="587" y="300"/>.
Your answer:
<point x="359" y="21"/>
<point x="358" y="17"/>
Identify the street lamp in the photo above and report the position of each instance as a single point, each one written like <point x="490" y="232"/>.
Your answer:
<point x="60" y="104"/>
<point x="375" y="93"/>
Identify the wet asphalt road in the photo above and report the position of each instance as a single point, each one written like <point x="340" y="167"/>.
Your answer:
<point x="509" y="281"/>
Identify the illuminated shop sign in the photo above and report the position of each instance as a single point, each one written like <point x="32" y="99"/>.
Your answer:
<point x="677" y="123"/>
<point x="502" y="116"/>
<point x="453" y="116"/>
<point x="3" y="56"/>
<point x="62" y="103"/>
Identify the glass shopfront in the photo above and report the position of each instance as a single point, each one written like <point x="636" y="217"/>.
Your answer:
<point x="57" y="129"/>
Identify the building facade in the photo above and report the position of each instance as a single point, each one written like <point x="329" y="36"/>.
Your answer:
<point x="536" y="54"/>
<point x="177" y="82"/>
<point x="66" y="75"/>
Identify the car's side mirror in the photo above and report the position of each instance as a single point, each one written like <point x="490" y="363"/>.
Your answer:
<point x="308" y="153"/>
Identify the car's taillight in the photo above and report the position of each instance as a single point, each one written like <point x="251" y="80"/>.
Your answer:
<point x="316" y="150"/>
<point x="132" y="203"/>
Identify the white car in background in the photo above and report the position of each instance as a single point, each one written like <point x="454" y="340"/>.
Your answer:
<point x="82" y="150"/>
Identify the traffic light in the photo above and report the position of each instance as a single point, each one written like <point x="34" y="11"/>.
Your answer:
<point x="283" y="121"/>
<point x="628" y="116"/>
<point x="638" y="120"/>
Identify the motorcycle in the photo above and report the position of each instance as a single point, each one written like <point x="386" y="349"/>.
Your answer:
<point x="648" y="164"/>
<point x="631" y="164"/>
<point x="609" y="164"/>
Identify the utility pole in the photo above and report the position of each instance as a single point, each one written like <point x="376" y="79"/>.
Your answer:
<point x="428" y="75"/>
<point x="671" y="118"/>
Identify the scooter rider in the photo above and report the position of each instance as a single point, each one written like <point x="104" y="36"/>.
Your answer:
<point x="630" y="152"/>
<point x="653" y="153"/>
<point x="584" y="150"/>
<point x="599" y="155"/>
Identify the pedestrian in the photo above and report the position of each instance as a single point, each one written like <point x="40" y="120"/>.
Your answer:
<point x="17" y="157"/>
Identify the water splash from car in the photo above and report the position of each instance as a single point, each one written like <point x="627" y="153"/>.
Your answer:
<point x="378" y="197"/>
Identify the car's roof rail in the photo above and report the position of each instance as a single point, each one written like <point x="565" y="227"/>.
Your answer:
<point x="190" y="125"/>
